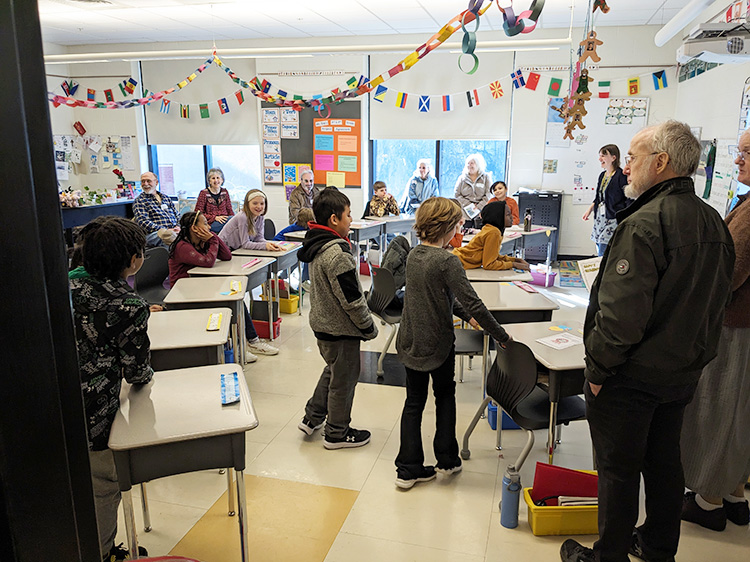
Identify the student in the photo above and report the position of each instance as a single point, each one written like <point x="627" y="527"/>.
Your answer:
<point x="500" y="192"/>
<point x="484" y="249"/>
<point x="426" y="342"/>
<point x="382" y="203"/>
<point x="340" y="319"/>
<point x="246" y="228"/>
<point x="110" y="326"/>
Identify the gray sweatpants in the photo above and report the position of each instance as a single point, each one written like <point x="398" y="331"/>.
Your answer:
<point x="106" y="496"/>
<point x="334" y="393"/>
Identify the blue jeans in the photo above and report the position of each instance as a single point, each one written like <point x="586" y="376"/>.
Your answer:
<point x="600" y="249"/>
<point x="216" y="226"/>
<point x="153" y="240"/>
<point x="250" y="332"/>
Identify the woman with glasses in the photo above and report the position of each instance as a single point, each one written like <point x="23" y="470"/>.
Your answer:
<point x="609" y="198"/>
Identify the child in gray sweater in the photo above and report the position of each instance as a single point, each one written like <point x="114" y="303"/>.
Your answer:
<point x="340" y="319"/>
<point x="436" y="289"/>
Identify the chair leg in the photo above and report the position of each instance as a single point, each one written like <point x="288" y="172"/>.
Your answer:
<point x="460" y="368"/>
<point x="394" y="328"/>
<point x="470" y="359"/>
<point x="526" y="450"/>
<point x="465" y="452"/>
<point x="144" y="506"/>
<point x="551" y="430"/>
<point x="558" y="439"/>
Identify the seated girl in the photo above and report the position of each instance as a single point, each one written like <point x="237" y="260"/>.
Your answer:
<point x="246" y="229"/>
<point x="500" y="192"/>
<point x="484" y="249"/>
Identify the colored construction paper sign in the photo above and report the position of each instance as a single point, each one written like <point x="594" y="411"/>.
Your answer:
<point x="347" y="143"/>
<point x="336" y="179"/>
<point x="347" y="163"/>
<point x="324" y="162"/>
<point x="323" y="142"/>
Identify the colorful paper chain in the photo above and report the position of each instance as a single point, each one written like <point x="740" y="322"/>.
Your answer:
<point x="525" y="22"/>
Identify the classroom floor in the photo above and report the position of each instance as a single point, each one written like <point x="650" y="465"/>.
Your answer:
<point x="309" y="504"/>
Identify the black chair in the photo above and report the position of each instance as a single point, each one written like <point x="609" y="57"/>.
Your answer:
<point x="470" y="342"/>
<point x="383" y="303"/>
<point x="149" y="281"/>
<point x="512" y="384"/>
<point x="269" y="229"/>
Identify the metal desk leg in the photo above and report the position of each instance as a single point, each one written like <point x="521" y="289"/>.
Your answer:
<point x="278" y="287"/>
<point x="499" y="429"/>
<point x="549" y="256"/>
<point x="144" y="506"/>
<point x="240" y="339"/>
<point x="242" y="515"/>
<point x="465" y="452"/>
<point x="270" y="306"/>
<point x="130" y="532"/>
<point x="551" y="430"/>
<point x="230" y="491"/>
<point x="301" y="291"/>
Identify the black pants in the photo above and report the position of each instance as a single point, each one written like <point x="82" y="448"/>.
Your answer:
<point x="635" y="428"/>
<point x="410" y="457"/>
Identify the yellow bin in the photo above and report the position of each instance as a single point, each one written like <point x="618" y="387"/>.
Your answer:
<point x="556" y="520"/>
<point x="287" y="306"/>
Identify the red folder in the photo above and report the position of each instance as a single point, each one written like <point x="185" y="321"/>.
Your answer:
<point x="551" y="480"/>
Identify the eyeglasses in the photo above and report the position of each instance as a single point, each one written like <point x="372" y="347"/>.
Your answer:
<point x="631" y="157"/>
<point x="741" y="154"/>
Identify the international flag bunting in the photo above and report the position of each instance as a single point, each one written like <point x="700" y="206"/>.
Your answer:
<point x="496" y="89"/>
<point x="362" y="80"/>
<point x="108" y="95"/>
<point x="130" y="85"/>
<point x="352" y="82"/>
<point x="69" y="87"/>
<point x="473" y="98"/>
<point x="533" y="81"/>
<point x="401" y="99"/>
<point x="555" y="86"/>
<point x="223" y="105"/>
<point x="165" y="105"/>
<point x="185" y="111"/>
<point x="660" y="79"/>
<point x="518" y="81"/>
<point x="297" y="97"/>
<point x="377" y="81"/>
<point x="90" y="94"/>
<point x="122" y="89"/>
<point x="73" y="87"/>
<point x="282" y="94"/>
<point x="380" y="93"/>
<point x="240" y="95"/>
<point x="265" y="86"/>
<point x="335" y="91"/>
<point x="447" y="103"/>
<point x="604" y="89"/>
<point x="204" y="110"/>
<point x="424" y="103"/>
<point x="634" y="86"/>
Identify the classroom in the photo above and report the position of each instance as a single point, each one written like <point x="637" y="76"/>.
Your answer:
<point x="351" y="93"/>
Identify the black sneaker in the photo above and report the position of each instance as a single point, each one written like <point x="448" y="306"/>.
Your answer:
<point x="119" y="553"/>
<point x="453" y="468"/>
<point x="405" y="481"/>
<point x="309" y="427"/>
<point x="352" y="438"/>
<point x="636" y="549"/>
<point x="715" y="519"/>
<point x="573" y="551"/>
<point x="737" y="513"/>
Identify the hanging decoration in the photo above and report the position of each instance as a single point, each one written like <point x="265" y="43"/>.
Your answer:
<point x="601" y="5"/>
<point x="525" y="22"/>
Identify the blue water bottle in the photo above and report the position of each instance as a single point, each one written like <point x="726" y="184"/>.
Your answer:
<point x="510" y="497"/>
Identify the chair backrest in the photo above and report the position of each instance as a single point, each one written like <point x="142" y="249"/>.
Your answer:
<point x="383" y="290"/>
<point x="512" y="376"/>
<point x="155" y="269"/>
<point x="269" y="228"/>
<point x="394" y="259"/>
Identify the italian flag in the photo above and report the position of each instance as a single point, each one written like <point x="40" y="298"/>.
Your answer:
<point x="603" y="89"/>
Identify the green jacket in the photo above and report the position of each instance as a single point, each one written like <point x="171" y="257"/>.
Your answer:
<point x="658" y="302"/>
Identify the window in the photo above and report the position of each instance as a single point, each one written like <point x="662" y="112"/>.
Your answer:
<point x="396" y="160"/>
<point x="180" y="168"/>
<point x="241" y="167"/>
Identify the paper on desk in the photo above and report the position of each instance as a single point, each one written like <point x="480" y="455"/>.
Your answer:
<point x="561" y="341"/>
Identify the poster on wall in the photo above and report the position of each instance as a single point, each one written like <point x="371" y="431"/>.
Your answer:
<point x="337" y="151"/>
<point x="272" y="170"/>
<point x="292" y="176"/>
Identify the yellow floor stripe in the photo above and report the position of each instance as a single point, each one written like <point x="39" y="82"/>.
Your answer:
<point x="287" y="521"/>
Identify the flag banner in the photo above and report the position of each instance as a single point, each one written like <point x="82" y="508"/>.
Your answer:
<point x="185" y="111"/>
<point x="108" y="95"/>
<point x="165" y="105"/>
<point x="424" y="104"/>
<point x="555" y="85"/>
<point x="91" y="94"/>
<point x="130" y="85"/>
<point x="240" y="95"/>
<point x="204" y="110"/>
<point x="265" y="85"/>
<point x="634" y="86"/>
<point x="401" y="99"/>
<point x="380" y="93"/>
<point x="517" y="77"/>
<point x="496" y="89"/>
<point x="472" y="97"/>
<point x="604" y="89"/>
<point x="447" y="103"/>
<point x="352" y="82"/>
<point x="223" y="105"/>
<point x="122" y="89"/>
<point x="533" y="81"/>
<point x="282" y="94"/>
<point x="660" y="79"/>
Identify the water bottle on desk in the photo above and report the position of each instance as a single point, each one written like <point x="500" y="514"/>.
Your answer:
<point x="527" y="221"/>
<point x="510" y="497"/>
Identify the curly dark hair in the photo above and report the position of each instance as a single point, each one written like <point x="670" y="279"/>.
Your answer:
<point x="109" y="245"/>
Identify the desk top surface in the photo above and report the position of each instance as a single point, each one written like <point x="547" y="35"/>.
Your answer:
<point x="488" y="275"/>
<point x="232" y="267"/>
<point x="506" y="296"/>
<point x="180" y="329"/>
<point x="205" y="289"/>
<point x="361" y="225"/>
<point x="289" y="248"/>
<point x="535" y="229"/>
<point x="392" y="218"/>
<point x="296" y="235"/>
<point x="555" y="359"/>
<point x="180" y="405"/>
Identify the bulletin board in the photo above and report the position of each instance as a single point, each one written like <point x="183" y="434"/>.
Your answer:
<point x="573" y="166"/>
<point x="337" y="157"/>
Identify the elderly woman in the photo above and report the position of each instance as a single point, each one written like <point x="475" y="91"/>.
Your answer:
<point x="715" y="445"/>
<point x="473" y="189"/>
<point x="421" y="187"/>
<point x="214" y="201"/>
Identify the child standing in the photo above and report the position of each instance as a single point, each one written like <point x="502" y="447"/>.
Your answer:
<point x="110" y="325"/>
<point x="500" y="192"/>
<point x="484" y="249"/>
<point x="438" y="289"/>
<point x="382" y="203"/>
<point x="246" y="229"/>
<point x="340" y="319"/>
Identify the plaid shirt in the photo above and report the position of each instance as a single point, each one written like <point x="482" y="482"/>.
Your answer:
<point x="153" y="213"/>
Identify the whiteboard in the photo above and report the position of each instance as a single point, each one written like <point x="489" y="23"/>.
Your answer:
<point x="724" y="178"/>
<point x="573" y="166"/>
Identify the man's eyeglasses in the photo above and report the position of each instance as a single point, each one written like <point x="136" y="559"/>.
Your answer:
<point x="741" y="154"/>
<point x="629" y="158"/>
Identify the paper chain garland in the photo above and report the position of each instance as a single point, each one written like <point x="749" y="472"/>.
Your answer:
<point x="525" y="22"/>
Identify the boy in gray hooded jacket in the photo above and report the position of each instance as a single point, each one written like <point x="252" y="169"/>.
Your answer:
<point x="340" y="319"/>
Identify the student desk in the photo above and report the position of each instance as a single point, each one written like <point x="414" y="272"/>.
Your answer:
<point x="364" y="230"/>
<point x="295" y="236"/>
<point x="538" y="234"/>
<point x="256" y="275"/>
<point x="480" y="275"/>
<point x="507" y="246"/>
<point x="509" y="303"/>
<point x="284" y="260"/>
<point x="176" y="424"/>
<point x="397" y="224"/>
<point x="206" y="292"/>
<point x="179" y="338"/>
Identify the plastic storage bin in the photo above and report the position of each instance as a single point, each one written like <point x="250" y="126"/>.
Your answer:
<point x="538" y="278"/>
<point x="287" y="306"/>
<point x="261" y="326"/>
<point x="507" y="421"/>
<point x="556" y="520"/>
